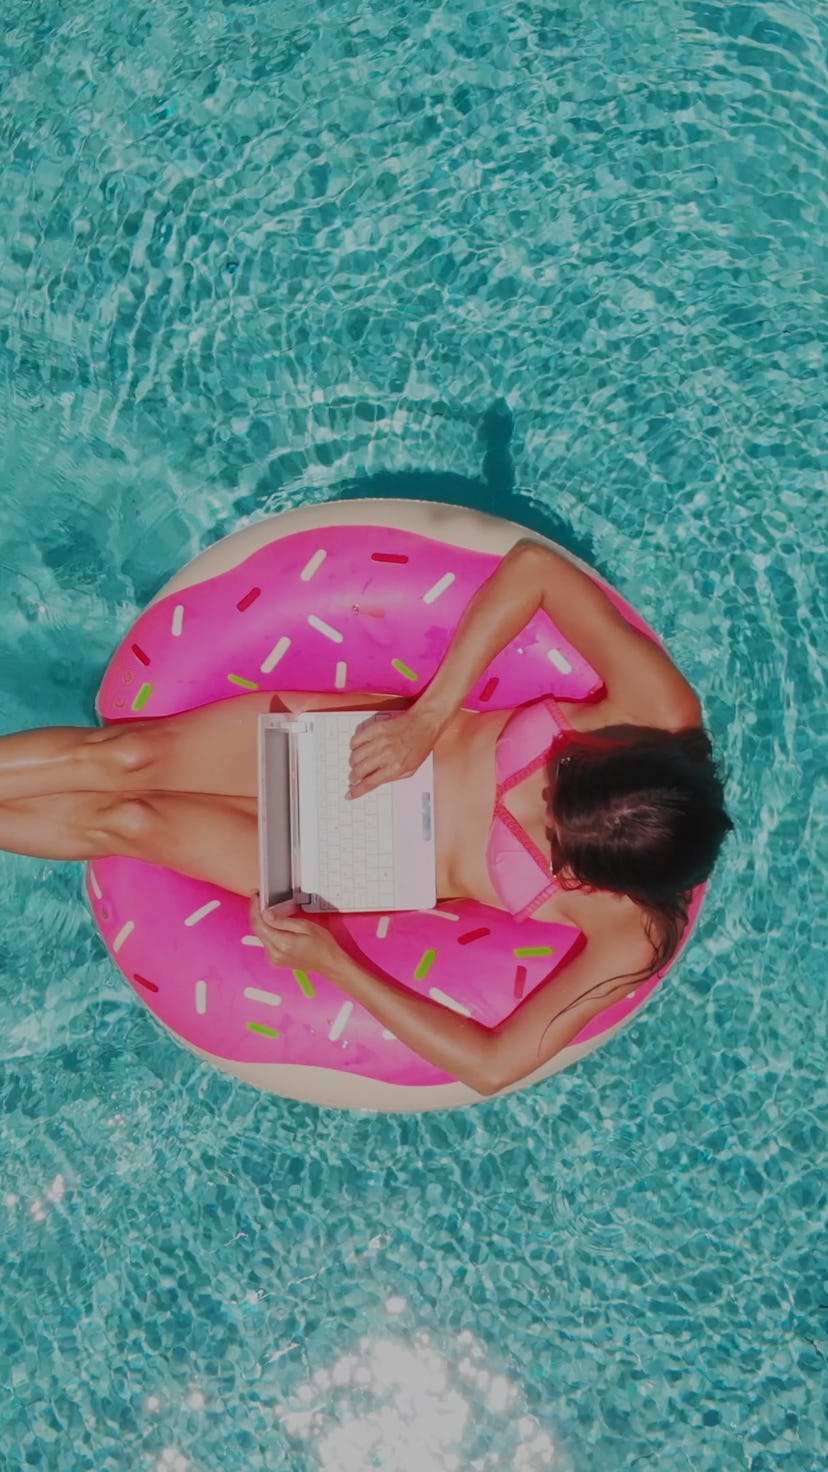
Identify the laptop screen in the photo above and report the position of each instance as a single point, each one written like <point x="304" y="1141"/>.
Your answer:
<point x="278" y="839"/>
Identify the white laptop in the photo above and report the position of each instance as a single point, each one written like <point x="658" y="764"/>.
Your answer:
<point x="323" y="851"/>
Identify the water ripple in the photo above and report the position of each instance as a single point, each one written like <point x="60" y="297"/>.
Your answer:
<point x="253" y="254"/>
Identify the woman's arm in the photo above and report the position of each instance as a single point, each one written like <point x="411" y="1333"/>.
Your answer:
<point x="643" y="685"/>
<point x="486" y="1059"/>
<point x="489" y="1059"/>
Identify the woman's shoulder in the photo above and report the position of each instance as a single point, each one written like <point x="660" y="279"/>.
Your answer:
<point x="680" y="710"/>
<point x="605" y="920"/>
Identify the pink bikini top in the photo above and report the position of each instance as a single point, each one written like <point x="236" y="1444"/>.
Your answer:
<point x="518" y="869"/>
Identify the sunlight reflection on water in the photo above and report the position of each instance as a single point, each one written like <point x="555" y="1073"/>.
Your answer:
<point x="408" y="1408"/>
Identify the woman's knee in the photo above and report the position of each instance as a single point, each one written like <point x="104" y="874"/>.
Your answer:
<point x="127" y="756"/>
<point x="126" y="825"/>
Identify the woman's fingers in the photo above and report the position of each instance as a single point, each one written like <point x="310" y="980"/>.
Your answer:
<point x="287" y="940"/>
<point x="360" y="789"/>
<point x="286" y="924"/>
<point x="264" y="923"/>
<point x="371" y="777"/>
<point x="295" y="943"/>
<point x="361" y="764"/>
<point x="370" y="769"/>
<point x="278" y="933"/>
<point x="385" y="749"/>
<point x="279" y="921"/>
<point x="363" y="735"/>
<point x="368" y="738"/>
<point x="368" y="757"/>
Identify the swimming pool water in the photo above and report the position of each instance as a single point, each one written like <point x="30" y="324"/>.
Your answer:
<point x="252" y="254"/>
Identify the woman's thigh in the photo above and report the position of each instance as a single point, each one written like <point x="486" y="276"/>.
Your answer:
<point x="208" y="837"/>
<point x="213" y="749"/>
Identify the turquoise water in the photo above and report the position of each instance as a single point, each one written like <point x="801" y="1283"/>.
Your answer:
<point x="256" y="253"/>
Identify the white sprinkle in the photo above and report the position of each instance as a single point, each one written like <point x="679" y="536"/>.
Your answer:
<point x="277" y="652"/>
<point x="177" y="620"/>
<point x="446" y="1001"/>
<point x="205" y="910"/>
<point x="559" y="660"/>
<point x="201" y="997"/>
<point x="631" y="994"/>
<point x="93" y="880"/>
<point x="256" y="994"/>
<point x="382" y="926"/>
<point x="341" y="675"/>
<point x="123" y="934"/>
<point x="439" y="587"/>
<point x="252" y="940"/>
<point x="323" y="628"/>
<point x="313" y="565"/>
<point x="390" y="1037"/>
<point x="441" y="914"/>
<point x="340" y="1021"/>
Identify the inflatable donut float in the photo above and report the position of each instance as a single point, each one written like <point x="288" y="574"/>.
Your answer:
<point x="361" y="595"/>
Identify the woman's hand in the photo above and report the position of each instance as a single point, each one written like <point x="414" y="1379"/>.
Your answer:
<point x="387" y="747"/>
<point x="297" y="944"/>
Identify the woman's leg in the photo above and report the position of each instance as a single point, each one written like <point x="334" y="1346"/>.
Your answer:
<point x="207" y="837"/>
<point x="212" y="749"/>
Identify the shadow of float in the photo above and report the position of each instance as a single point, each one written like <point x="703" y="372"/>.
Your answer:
<point x="492" y="492"/>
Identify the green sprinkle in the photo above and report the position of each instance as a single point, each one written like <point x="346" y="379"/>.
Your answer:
<point x="535" y="951"/>
<point x="142" y="697"/>
<point x="240" y="680"/>
<point x="404" y="670"/>
<point x="425" y="965"/>
<point x="262" y="1027"/>
<point x="305" y="983"/>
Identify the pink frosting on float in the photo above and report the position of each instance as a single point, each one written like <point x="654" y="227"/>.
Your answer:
<point x="350" y="608"/>
<point x="382" y="603"/>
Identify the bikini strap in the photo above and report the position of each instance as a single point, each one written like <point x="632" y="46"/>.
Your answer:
<point x="525" y="742"/>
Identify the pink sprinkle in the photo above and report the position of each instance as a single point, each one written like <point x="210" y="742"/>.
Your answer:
<point x="142" y="981"/>
<point x="489" y="688"/>
<point x="139" y="654"/>
<point x="248" y="598"/>
<point x="466" y="940"/>
<point x="520" y="981"/>
<point x="388" y="557"/>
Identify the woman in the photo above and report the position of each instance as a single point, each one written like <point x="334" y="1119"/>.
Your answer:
<point x="602" y="816"/>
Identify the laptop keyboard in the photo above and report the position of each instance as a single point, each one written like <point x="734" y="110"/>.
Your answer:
<point x="355" y="837"/>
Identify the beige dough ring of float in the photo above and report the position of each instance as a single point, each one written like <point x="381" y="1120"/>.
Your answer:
<point x="357" y="595"/>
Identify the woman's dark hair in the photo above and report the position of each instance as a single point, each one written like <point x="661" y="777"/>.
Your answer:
<point x="640" y="812"/>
